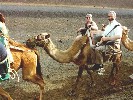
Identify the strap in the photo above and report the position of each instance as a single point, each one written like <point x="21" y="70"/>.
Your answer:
<point x="113" y="29"/>
<point x="16" y="48"/>
<point x="2" y="62"/>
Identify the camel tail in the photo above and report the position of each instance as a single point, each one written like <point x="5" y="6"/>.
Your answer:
<point x="38" y="68"/>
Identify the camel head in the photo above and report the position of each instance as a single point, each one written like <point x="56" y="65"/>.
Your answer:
<point x="40" y="40"/>
<point x="126" y="41"/>
<point x="125" y="31"/>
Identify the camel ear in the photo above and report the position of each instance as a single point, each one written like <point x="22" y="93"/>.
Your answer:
<point x="47" y="36"/>
<point x="128" y="30"/>
<point x="35" y="37"/>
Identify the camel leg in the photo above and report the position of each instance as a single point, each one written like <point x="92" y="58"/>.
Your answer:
<point x="115" y="69"/>
<point x="113" y="75"/>
<point x="90" y="74"/>
<point x="35" y="79"/>
<point x="28" y="76"/>
<point x="5" y="94"/>
<point x="80" y="71"/>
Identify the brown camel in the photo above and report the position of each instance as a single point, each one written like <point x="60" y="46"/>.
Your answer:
<point x="28" y="60"/>
<point x="79" y="53"/>
<point x="126" y="41"/>
<point x="5" y="94"/>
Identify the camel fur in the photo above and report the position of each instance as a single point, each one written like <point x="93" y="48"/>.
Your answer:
<point x="126" y="41"/>
<point x="28" y="60"/>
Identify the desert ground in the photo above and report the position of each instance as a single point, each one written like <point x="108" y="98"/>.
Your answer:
<point x="59" y="77"/>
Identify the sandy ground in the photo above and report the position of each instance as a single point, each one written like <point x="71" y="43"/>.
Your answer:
<point x="58" y="77"/>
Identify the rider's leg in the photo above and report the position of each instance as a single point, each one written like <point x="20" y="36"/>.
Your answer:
<point x="98" y="58"/>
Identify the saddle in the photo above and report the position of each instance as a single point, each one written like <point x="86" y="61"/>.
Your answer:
<point x="98" y="37"/>
<point x="113" y="51"/>
<point x="83" y="31"/>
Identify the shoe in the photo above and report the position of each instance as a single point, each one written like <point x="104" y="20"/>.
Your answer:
<point x="100" y="71"/>
<point x="96" y="67"/>
<point x="131" y="76"/>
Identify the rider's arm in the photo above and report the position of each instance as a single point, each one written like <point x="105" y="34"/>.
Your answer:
<point x="94" y="26"/>
<point x="112" y="38"/>
<point x="117" y="35"/>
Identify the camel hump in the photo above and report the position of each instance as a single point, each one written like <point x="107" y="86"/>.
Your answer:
<point x="96" y="32"/>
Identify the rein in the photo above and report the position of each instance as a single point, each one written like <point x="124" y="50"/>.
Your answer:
<point x="13" y="74"/>
<point x="112" y="29"/>
<point x="16" y="48"/>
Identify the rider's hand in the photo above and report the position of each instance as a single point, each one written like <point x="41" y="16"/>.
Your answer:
<point x="104" y="39"/>
<point x="89" y="25"/>
<point x="79" y="30"/>
<point x="98" y="44"/>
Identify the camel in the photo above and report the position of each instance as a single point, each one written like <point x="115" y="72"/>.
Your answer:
<point x="5" y="94"/>
<point x="79" y="53"/>
<point x="28" y="60"/>
<point x="126" y="41"/>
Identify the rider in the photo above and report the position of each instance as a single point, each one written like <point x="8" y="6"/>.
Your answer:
<point x="90" y="24"/>
<point x="113" y="32"/>
<point x="4" y="37"/>
<point x="4" y="63"/>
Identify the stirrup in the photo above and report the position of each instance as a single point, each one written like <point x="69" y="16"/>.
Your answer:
<point x="100" y="71"/>
<point x="14" y="73"/>
<point x="96" y="67"/>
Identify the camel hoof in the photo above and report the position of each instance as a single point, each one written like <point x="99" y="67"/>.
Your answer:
<point x="36" y="98"/>
<point x="113" y="83"/>
<point x="92" y="84"/>
<point x="115" y="89"/>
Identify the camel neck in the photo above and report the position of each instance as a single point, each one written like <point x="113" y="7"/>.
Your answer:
<point x="66" y="56"/>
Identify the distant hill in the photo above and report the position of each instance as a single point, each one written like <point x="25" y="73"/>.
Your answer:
<point x="94" y="3"/>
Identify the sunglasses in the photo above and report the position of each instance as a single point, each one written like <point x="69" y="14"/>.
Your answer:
<point x="87" y="17"/>
<point x="109" y="16"/>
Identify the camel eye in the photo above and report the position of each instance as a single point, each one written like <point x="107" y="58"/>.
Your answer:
<point x="47" y="36"/>
<point x="38" y="37"/>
